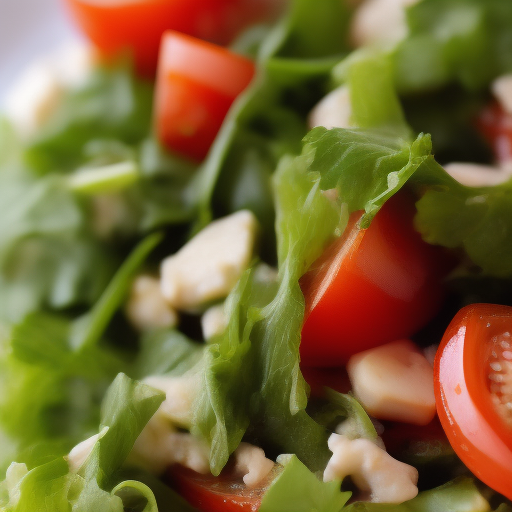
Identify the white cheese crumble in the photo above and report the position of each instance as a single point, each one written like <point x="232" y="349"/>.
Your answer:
<point x="476" y="175"/>
<point x="210" y="264"/>
<point x="80" y="453"/>
<point x="333" y="111"/>
<point x="146" y="308"/>
<point x="251" y="462"/>
<point x="39" y="89"/>
<point x="214" y="321"/>
<point x="501" y="87"/>
<point x="394" y="382"/>
<point x="379" y="21"/>
<point x="180" y="393"/>
<point x="372" y="470"/>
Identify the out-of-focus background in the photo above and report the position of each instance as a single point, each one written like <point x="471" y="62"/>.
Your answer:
<point x="29" y="28"/>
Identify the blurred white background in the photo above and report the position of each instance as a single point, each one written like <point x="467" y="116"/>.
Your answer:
<point x="29" y="28"/>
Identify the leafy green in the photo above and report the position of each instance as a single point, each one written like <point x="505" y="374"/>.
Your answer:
<point x="269" y="119"/>
<point x="91" y="326"/>
<point x="479" y="220"/>
<point x="166" y="352"/>
<point x="46" y="255"/>
<point x="458" y="496"/>
<point x="50" y="394"/>
<point x="366" y="167"/>
<point x="296" y="489"/>
<point x="467" y="41"/>
<point x="111" y="105"/>
<point x="127" y="408"/>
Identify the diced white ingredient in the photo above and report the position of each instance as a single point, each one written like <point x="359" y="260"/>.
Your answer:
<point x="37" y="92"/>
<point x="79" y="454"/>
<point x="333" y="111"/>
<point x="264" y="273"/>
<point x="12" y="483"/>
<point x="475" y="175"/>
<point x="502" y="90"/>
<point x="213" y="321"/>
<point x="372" y="470"/>
<point x="284" y="458"/>
<point x="146" y="307"/>
<point x="379" y="21"/>
<point x="159" y="446"/>
<point x="394" y="382"/>
<point x="180" y="393"/>
<point x="209" y="265"/>
<point x="252" y="463"/>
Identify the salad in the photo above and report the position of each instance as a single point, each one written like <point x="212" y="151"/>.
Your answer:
<point x="256" y="255"/>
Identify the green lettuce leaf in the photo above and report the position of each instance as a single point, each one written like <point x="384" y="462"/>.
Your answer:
<point x="296" y="489"/>
<point x="126" y="409"/>
<point x="464" y="41"/>
<point x="461" y="495"/>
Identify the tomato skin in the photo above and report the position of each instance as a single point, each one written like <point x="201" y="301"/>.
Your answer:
<point x="196" y="84"/>
<point x="474" y="428"/>
<point x="496" y="126"/>
<point x="137" y="25"/>
<point x="214" y="494"/>
<point x="370" y="287"/>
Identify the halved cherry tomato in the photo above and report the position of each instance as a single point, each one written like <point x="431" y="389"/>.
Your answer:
<point x="197" y="83"/>
<point x="371" y="287"/>
<point x="138" y="25"/>
<point x="473" y="385"/>
<point x="496" y="126"/>
<point x="224" y="493"/>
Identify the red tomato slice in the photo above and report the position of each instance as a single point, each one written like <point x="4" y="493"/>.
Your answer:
<point x="138" y="25"/>
<point x="371" y="287"/>
<point x="197" y="83"/>
<point x="473" y="385"/>
<point x="496" y="126"/>
<point x="224" y="493"/>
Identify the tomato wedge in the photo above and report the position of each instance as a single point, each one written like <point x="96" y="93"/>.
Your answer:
<point x="137" y="25"/>
<point x="370" y="287"/>
<point x="225" y="493"/>
<point x="473" y="385"/>
<point x="197" y="83"/>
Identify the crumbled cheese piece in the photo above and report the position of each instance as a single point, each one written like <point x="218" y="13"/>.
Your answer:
<point x="333" y="111"/>
<point x="213" y="321"/>
<point x="12" y="483"/>
<point x="476" y="175"/>
<point x="394" y="382"/>
<point x="79" y="454"/>
<point x="372" y="470"/>
<point x="252" y="463"/>
<point x="180" y="393"/>
<point x="159" y="446"/>
<point x="350" y="428"/>
<point x="38" y="91"/>
<point x="502" y="90"/>
<point x="146" y="307"/>
<point x="379" y="21"/>
<point x="209" y="265"/>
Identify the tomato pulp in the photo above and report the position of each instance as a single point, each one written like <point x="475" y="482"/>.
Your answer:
<point x="370" y="287"/>
<point x="473" y="385"/>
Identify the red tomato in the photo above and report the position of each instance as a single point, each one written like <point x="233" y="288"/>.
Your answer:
<point x="370" y="287"/>
<point x="197" y="83"/>
<point x="496" y="126"/>
<point x="224" y="493"/>
<point x="473" y="385"/>
<point x="137" y="25"/>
